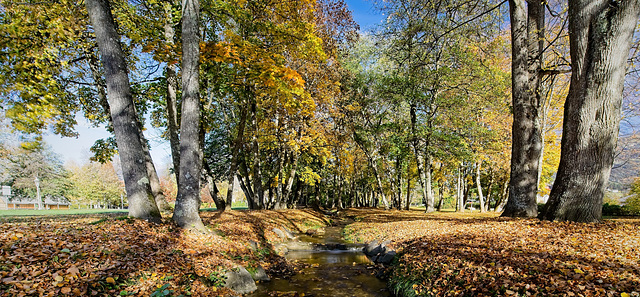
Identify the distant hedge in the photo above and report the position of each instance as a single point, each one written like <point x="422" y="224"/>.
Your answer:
<point x="612" y="210"/>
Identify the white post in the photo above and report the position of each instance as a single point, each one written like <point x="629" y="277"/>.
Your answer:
<point x="37" y="181"/>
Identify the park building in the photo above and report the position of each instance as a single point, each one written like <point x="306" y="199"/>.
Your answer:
<point x="9" y="201"/>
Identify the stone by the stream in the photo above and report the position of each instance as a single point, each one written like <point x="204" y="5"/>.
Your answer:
<point x="240" y="280"/>
<point x="253" y="245"/>
<point x="372" y="249"/>
<point x="288" y="233"/>
<point x="259" y="274"/>
<point x="280" y="233"/>
<point x="379" y="253"/>
<point x="387" y="257"/>
<point x="283" y="233"/>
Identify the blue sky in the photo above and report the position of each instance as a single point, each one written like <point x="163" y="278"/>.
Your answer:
<point x="364" y="13"/>
<point x="77" y="149"/>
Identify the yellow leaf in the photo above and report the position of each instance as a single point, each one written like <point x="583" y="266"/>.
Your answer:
<point x="624" y="295"/>
<point x="111" y="280"/>
<point x="577" y="270"/>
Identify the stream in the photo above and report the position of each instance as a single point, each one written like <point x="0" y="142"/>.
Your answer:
<point x="334" y="268"/>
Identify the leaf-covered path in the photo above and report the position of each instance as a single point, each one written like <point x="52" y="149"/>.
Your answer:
<point x="451" y="254"/>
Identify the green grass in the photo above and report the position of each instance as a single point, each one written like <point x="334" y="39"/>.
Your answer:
<point x="50" y="212"/>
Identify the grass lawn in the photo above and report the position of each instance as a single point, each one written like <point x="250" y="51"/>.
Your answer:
<point x="53" y="212"/>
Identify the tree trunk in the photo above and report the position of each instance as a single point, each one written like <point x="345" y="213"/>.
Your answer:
<point x="154" y="181"/>
<point x="600" y="39"/>
<point x="490" y="194"/>
<point x="503" y="196"/>
<point x="255" y="150"/>
<point x="416" y="150"/>
<point x="527" y="36"/>
<point x="172" y="98"/>
<point x="379" y="181"/>
<point x="408" y="206"/>
<point x="479" y="186"/>
<point x="246" y="186"/>
<point x="126" y="130"/>
<point x="459" y="198"/>
<point x="215" y="192"/>
<point x="291" y="177"/>
<point x="237" y="144"/>
<point x="429" y="190"/>
<point x="187" y="203"/>
<point x="398" y="202"/>
<point x="441" y="196"/>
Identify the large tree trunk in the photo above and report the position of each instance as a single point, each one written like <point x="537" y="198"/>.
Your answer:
<point x="126" y="130"/>
<point x="527" y="35"/>
<point x="600" y="38"/>
<point x="172" y="98"/>
<point x="154" y="181"/>
<point x="188" y="201"/>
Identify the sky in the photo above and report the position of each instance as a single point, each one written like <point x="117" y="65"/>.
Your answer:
<point x="77" y="149"/>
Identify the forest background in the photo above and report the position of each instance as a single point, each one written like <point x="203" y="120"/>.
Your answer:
<point x="298" y="105"/>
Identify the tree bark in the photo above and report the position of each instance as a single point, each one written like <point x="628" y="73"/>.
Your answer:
<point x="490" y="193"/>
<point x="459" y="198"/>
<point x="172" y="97"/>
<point x="408" y="205"/>
<point x="416" y="150"/>
<point x="441" y="196"/>
<point x="188" y="201"/>
<point x="527" y="35"/>
<point x="215" y="192"/>
<point x="255" y="150"/>
<point x="237" y="144"/>
<point x="503" y="196"/>
<point x="601" y="33"/>
<point x="126" y="130"/>
<point x="479" y="186"/>
<point x="154" y="181"/>
<point x="427" y="170"/>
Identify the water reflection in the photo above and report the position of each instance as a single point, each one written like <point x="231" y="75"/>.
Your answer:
<point x="329" y="273"/>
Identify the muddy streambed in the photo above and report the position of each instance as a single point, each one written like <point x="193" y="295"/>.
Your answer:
<point x="333" y="268"/>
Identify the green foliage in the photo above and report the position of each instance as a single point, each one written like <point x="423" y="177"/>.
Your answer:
<point x="95" y="183"/>
<point x="611" y="210"/>
<point x="35" y="159"/>
<point x="163" y="291"/>
<point x="217" y="277"/>
<point x="632" y="206"/>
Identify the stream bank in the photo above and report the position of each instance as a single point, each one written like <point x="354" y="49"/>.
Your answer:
<point x="326" y="265"/>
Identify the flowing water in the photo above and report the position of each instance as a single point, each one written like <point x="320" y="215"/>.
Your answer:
<point x="333" y="268"/>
